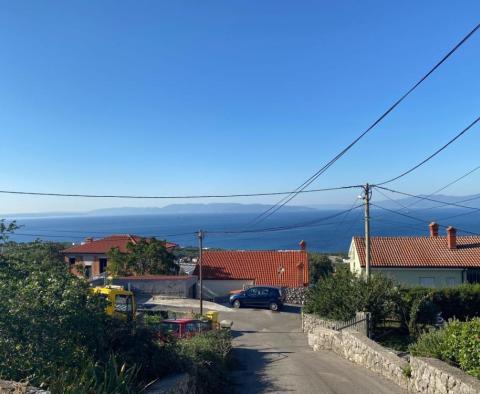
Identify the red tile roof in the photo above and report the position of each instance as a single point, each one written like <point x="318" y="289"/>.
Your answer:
<point x="103" y="245"/>
<point x="275" y="268"/>
<point x="416" y="252"/>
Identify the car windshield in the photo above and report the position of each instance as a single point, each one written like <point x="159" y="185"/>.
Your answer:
<point x="170" y="327"/>
<point x="123" y="303"/>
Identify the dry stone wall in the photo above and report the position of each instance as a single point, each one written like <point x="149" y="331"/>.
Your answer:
<point x="9" y="387"/>
<point x="359" y="349"/>
<point x="418" y="375"/>
<point x="431" y="376"/>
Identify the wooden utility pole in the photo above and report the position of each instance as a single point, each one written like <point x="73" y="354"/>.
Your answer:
<point x="200" y="249"/>
<point x="366" y="197"/>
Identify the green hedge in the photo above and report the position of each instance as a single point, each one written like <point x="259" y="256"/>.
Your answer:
<point x="458" y="343"/>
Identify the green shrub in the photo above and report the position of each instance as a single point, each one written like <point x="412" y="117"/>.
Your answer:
<point x="96" y="378"/>
<point x="339" y="296"/>
<point x="335" y="297"/>
<point x="207" y="357"/>
<point x="458" y="344"/>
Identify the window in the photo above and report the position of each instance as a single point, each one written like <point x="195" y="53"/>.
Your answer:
<point x="253" y="292"/>
<point x="170" y="328"/>
<point x="451" y="282"/>
<point x="102" y="265"/>
<point x="123" y="303"/>
<point x="427" y="281"/>
<point x="192" y="327"/>
<point x="87" y="271"/>
<point x="72" y="260"/>
<point x="264" y="292"/>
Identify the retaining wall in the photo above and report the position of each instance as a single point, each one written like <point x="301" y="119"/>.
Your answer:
<point x="420" y="375"/>
<point x="431" y="376"/>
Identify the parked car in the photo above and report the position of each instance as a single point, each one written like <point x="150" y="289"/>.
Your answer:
<point x="184" y="328"/>
<point x="258" y="297"/>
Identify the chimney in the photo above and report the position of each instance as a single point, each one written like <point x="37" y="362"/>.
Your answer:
<point x="303" y="245"/>
<point x="451" y="237"/>
<point x="433" y="229"/>
<point x="88" y="240"/>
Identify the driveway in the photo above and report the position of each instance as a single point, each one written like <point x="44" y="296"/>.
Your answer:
<point x="273" y="356"/>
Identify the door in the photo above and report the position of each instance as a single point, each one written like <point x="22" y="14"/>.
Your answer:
<point x="251" y="298"/>
<point x="264" y="297"/>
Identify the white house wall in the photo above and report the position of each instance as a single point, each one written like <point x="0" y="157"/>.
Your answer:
<point x="220" y="288"/>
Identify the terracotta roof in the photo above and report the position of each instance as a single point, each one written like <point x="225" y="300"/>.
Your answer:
<point x="419" y="252"/>
<point x="275" y="268"/>
<point x="103" y="245"/>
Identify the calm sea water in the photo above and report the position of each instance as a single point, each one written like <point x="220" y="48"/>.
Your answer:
<point x="328" y="235"/>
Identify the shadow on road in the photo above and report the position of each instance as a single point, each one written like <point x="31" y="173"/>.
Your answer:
<point x="250" y="376"/>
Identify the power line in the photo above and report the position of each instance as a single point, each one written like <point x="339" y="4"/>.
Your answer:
<point x="429" y="199"/>
<point x="432" y="155"/>
<point x="282" y="228"/>
<point x="418" y="219"/>
<point x="170" y="197"/>
<point x="305" y="184"/>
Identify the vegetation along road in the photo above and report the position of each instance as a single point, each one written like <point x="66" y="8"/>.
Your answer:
<point x="272" y="355"/>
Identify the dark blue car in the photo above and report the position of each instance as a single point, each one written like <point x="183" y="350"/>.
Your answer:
<point x="258" y="297"/>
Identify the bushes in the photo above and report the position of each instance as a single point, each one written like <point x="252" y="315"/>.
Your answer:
<point x="419" y="306"/>
<point x="207" y="356"/>
<point x="339" y="296"/>
<point x="458" y="343"/>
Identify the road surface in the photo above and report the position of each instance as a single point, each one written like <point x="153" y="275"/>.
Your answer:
<point x="272" y="355"/>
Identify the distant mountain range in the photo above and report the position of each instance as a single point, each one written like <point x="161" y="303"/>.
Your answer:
<point x="410" y="203"/>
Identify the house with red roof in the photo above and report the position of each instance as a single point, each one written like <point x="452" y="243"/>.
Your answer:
<point x="90" y="259"/>
<point x="431" y="261"/>
<point x="224" y="271"/>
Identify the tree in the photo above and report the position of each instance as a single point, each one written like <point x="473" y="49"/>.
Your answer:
<point x="320" y="266"/>
<point x="147" y="256"/>
<point x="49" y="319"/>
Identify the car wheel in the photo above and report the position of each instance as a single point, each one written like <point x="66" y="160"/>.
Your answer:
<point x="236" y="304"/>
<point x="273" y="306"/>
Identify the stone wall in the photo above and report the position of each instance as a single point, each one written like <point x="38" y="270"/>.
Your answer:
<point x="295" y="295"/>
<point x="421" y="375"/>
<point x="431" y="376"/>
<point x="359" y="349"/>
<point x="359" y="323"/>
<point x="181" y="383"/>
<point x="9" y="387"/>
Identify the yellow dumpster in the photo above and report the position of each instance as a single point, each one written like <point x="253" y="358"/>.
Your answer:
<point x="213" y="317"/>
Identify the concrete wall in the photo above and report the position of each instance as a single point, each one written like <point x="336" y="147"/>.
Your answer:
<point x="220" y="288"/>
<point x="181" y="287"/>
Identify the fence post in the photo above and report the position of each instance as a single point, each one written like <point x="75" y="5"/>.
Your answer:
<point x="367" y="325"/>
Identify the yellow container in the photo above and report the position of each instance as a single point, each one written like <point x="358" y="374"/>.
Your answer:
<point x="212" y="316"/>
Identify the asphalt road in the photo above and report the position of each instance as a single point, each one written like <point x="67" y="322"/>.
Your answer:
<point x="272" y="355"/>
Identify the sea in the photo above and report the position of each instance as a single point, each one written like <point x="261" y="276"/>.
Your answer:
<point x="322" y="230"/>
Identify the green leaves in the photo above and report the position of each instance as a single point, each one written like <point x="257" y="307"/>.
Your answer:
<point x="458" y="343"/>
<point x="147" y="256"/>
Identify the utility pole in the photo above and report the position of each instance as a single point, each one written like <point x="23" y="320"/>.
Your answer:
<point x="200" y="248"/>
<point x="368" y="194"/>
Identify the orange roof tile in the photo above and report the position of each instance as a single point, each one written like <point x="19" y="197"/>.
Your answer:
<point x="103" y="245"/>
<point x="416" y="252"/>
<point x="275" y="268"/>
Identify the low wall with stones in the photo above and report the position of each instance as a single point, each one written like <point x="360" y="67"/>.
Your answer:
<point x="431" y="376"/>
<point x="181" y="383"/>
<point x="420" y="375"/>
<point x="359" y="349"/>
<point x="295" y="295"/>
<point x="9" y="387"/>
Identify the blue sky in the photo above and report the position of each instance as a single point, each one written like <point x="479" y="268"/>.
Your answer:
<point x="152" y="97"/>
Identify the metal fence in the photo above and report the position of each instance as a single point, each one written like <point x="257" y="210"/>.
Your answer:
<point x="360" y="323"/>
